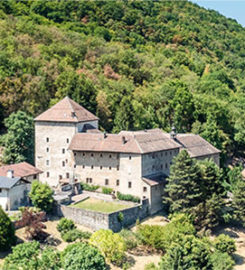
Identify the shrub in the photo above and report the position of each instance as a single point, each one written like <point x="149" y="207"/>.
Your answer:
<point x="110" y="244"/>
<point x="82" y="256"/>
<point x="221" y="261"/>
<point x="7" y="231"/>
<point x="128" y="197"/>
<point x="88" y="187"/>
<point x="225" y="244"/>
<point x="65" y="225"/>
<point x="150" y="266"/>
<point x="73" y="235"/>
<point x="107" y="190"/>
<point x="130" y="238"/>
<point x="120" y="217"/>
<point x="41" y="196"/>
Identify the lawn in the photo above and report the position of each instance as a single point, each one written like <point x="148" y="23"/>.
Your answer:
<point x="100" y="205"/>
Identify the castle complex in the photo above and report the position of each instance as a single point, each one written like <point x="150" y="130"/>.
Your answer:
<point x="69" y="147"/>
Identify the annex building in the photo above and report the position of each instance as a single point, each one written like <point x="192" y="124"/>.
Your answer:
<point x="69" y="147"/>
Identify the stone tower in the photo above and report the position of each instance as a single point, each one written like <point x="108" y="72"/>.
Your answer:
<point x="54" y="130"/>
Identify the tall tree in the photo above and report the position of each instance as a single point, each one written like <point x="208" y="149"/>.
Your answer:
<point x="18" y="142"/>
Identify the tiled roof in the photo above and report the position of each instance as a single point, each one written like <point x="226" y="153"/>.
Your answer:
<point x="66" y="110"/>
<point x="195" y="145"/>
<point x="22" y="169"/>
<point x="6" y="182"/>
<point x="125" y="142"/>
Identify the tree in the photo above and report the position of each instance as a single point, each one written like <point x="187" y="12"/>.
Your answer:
<point x="225" y="244"/>
<point x="82" y="256"/>
<point x="65" y="225"/>
<point x="221" y="261"/>
<point x="18" y="143"/>
<point x="7" y="231"/>
<point x="41" y="196"/>
<point x="238" y="202"/>
<point x="110" y="244"/>
<point x="183" y="187"/>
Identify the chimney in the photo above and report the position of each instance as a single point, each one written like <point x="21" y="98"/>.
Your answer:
<point x="124" y="139"/>
<point x="173" y="133"/>
<point x="10" y="173"/>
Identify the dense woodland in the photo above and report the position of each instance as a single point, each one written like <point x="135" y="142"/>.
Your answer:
<point x="136" y="64"/>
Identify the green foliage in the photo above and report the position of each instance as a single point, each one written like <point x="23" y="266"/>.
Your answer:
<point x="130" y="238"/>
<point x="41" y="196"/>
<point x="7" y="231"/>
<point x="107" y="190"/>
<point x="221" y="261"/>
<point x="29" y="256"/>
<point x="150" y="266"/>
<point x="127" y="197"/>
<point x="225" y="244"/>
<point x="110" y="244"/>
<point x="238" y="202"/>
<point x="18" y="142"/>
<point x="234" y="176"/>
<point x="120" y="217"/>
<point x="82" y="256"/>
<point x="89" y="187"/>
<point x="65" y="225"/>
<point x="75" y="234"/>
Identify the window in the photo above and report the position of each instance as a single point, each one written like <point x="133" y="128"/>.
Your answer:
<point x="101" y="167"/>
<point x="117" y="156"/>
<point x="75" y="165"/>
<point x="161" y="154"/>
<point x="145" y="189"/>
<point x="47" y="162"/>
<point x="67" y="175"/>
<point x="118" y="167"/>
<point x="92" y="167"/>
<point x="109" y="167"/>
<point x="161" y="166"/>
<point x="63" y="163"/>
<point x="92" y="154"/>
<point x="129" y="184"/>
<point x="75" y="154"/>
<point x="47" y="139"/>
<point x="153" y="155"/>
<point x="0" y="190"/>
<point x="153" y="167"/>
<point x="170" y="153"/>
<point x="63" y="151"/>
<point x="67" y="140"/>
<point x="83" y="166"/>
<point x="89" y="180"/>
<point x="47" y="149"/>
<point x="47" y="174"/>
<point x="83" y="154"/>
<point x="101" y="155"/>
<point x="35" y="176"/>
<point x="109" y="156"/>
<point x="106" y="182"/>
<point x="166" y="165"/>
<point x="60" y="177"/>
<point x="129" y="157"/>
<point x="118" y="182"/>
<point x="66" y="160"/>
<point x="166" y="153"/>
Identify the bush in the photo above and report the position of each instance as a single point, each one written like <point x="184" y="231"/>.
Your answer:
<point x="225" y="244"/>
<point x="41" y="196"/>
<point x="65" y="225"/>
<point x="130" y="238"/>
<point x="88" y="187"/>
<point x="150" y="266"/>
<point x="73" y="235"/>
<point x="82" y="256"/>
<point x="128" y="197"/>
<point x="120" y="217"/>
<point x="107" y="190"/>
<point x="221" y="261"/>
<point x="7" y="231"/>
<point x="110" y="244"/>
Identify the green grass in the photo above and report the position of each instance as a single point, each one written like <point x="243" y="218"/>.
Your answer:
<point x="100" y="205"/>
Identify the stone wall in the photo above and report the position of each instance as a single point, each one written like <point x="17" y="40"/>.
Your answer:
<point x="97" y="220"/>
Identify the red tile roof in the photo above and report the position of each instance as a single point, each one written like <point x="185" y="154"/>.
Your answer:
<point x="66" y="110"/>
<point x="22" y="169"/>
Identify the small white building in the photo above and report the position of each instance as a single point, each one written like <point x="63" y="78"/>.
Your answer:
<point x="13" y="192"/>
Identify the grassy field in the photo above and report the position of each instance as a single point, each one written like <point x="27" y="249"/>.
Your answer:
<point x="100" y="205"/>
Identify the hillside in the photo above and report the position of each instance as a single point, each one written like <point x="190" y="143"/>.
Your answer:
<point x="136" y="64"/>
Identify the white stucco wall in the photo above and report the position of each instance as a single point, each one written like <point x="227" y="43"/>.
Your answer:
<point x="4" y="198"/>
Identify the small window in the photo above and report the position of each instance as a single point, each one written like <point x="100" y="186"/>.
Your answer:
<point x="83" y="154"/>
<point x="170" y="153"/>
<point x="106" y="182"/>
<point x="47" y="149"/>
<point x="63" y="163"/>
<point x="92" y="154"/>
<point x="109" y="156"/>
<point x="161" y="166"/>
<point x="145" y="189"/>
<point x="129" y="157"/>
<point x="67" y="175"/>
<point x="0" y="190"/>
<point x="60" y="177"/>
<point x="83" y="166"/>
<point x="35" y="176"/>
<point x="75" y="165"/>
<point x="47" y="162"/>
<point x="109" y="167"/>
<point x="87" y="180"/>
<point x="161" y="154"/>
<point x="47" y="139"/>
<point x="67" y="140"/>
<point x="118" y="167"/>
<point x="117" y="156"/>
<point x="75" y="154"/>
<point x="166" y="165"/>
<point x="90" y="180"/>
<point x="63" y="151"/>
<point x="153" y="167"/>
<point x="101" y="155"/>
<point x="66" y="160"/>
<point x="153" y="155"/>
<point x="166" y="153"/>
<point x="92" y="167"/>
<point x="101" y="167"/>
<point x="156" y="155"/>
<point x="47" y="174"/>
<point x="118" y="182"/>
<point x="129" y="184"/>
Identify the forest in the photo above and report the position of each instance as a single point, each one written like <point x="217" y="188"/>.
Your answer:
<point x="135" y="64"/>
